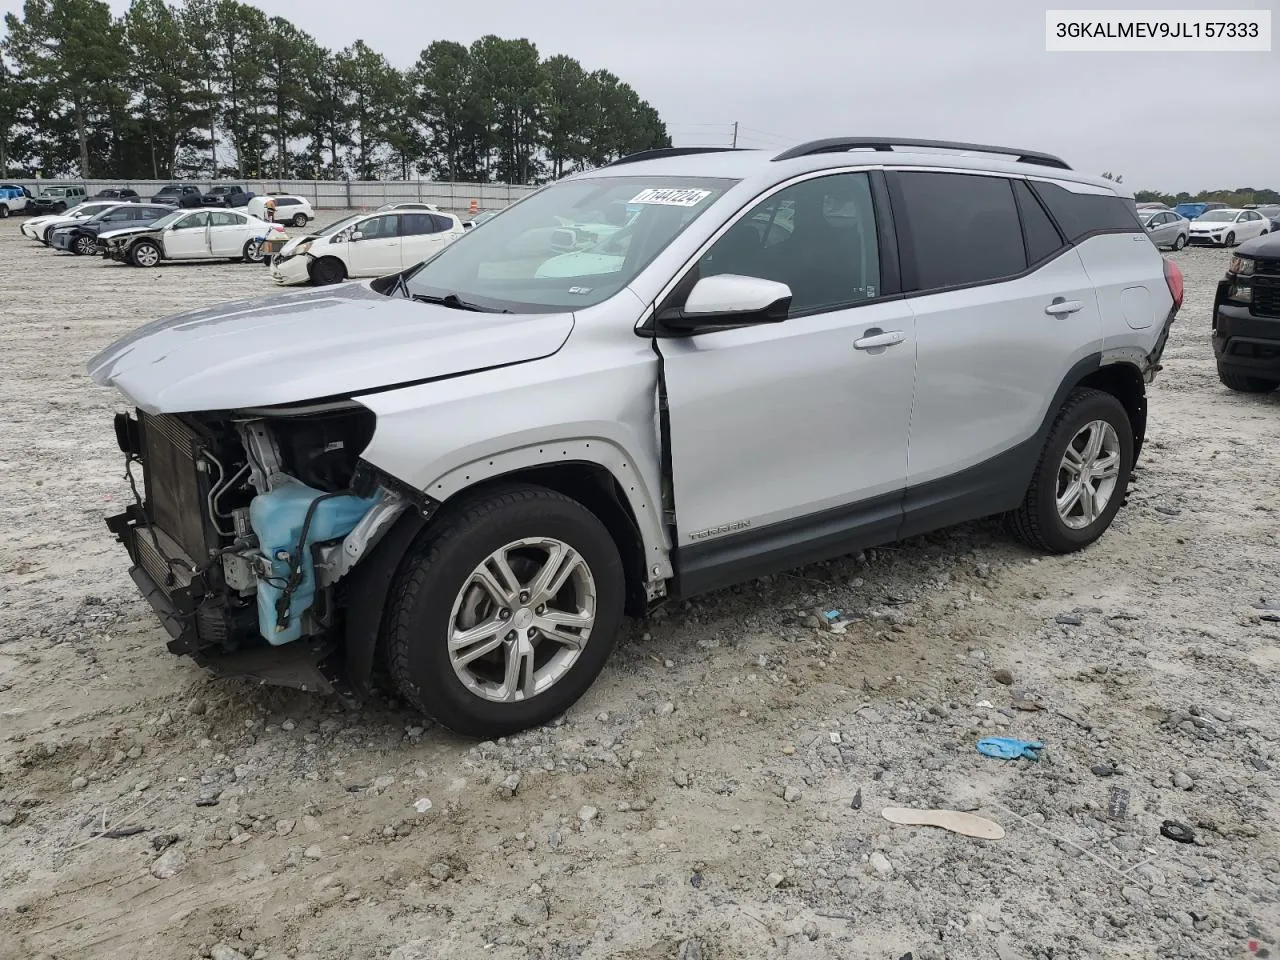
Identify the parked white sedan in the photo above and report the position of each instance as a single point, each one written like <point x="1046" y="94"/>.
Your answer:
<point x="365" y="245"/>
<point x="40" y="229"/>
<point x="190" y="235"/>
<point x="1226" y="228"/>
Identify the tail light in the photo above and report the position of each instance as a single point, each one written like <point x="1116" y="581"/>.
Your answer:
<point x="1173" y="277"/>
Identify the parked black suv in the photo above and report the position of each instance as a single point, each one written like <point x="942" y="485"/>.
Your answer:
<point x="1246" y="318"/>
<point x="179" y="195"/>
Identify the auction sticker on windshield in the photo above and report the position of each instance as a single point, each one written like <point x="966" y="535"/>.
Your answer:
<point x="671" y="197"/>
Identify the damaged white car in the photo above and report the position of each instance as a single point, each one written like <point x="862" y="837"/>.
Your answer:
<point x="466" y="471"/>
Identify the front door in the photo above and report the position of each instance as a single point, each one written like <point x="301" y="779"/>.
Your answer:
<point x="227" y="234"/>
<point x="188" y="239"/>
<point x="788" y="441"/>
<point x="377" y="252"/>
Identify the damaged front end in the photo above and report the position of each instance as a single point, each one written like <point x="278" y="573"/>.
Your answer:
<point x="246" y="528"/>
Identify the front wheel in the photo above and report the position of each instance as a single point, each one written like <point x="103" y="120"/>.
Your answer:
<point x="253" y="252"/>
<point x="1180" y="242"/>
<point x="505" y="611"/>
<point x="1230" y="241"/>
<point x="59" y="208"/>
<point x="4" y="211"/>
<point x="1245" y="384"/>
<point x="144" y="253"/>
<point x="1082" y="477"/>
<point x="326" y="271"/>
<point x="83" y="246"/>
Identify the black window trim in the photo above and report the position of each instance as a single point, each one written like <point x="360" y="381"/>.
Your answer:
<point x="890" y="277"/>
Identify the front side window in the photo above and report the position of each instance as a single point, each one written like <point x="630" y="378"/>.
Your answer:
<point x="287" y="202"/>
<point x="817" y="236"/>
<point x="570" y="245"/>
<point x="192" y="221"/>
<point x="964" y="229"/>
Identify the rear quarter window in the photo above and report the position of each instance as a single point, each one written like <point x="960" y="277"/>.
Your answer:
<point x="1082" y="215"/>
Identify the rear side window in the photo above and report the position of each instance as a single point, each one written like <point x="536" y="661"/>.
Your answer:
<point x="286" y="202"/>
<point x="1042" y="237"/>
<point x="441" y="223"/>
<point x="416" y="224"/>
<point x="963" y="229"/>
<point x="1083" y="215"/>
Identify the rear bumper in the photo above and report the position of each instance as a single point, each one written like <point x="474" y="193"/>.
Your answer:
<point x="1242" y="342"/>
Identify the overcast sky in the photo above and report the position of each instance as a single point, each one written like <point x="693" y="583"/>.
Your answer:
<point x="790" y="70"/>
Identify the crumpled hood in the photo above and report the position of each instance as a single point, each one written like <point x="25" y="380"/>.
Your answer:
<point x="122" y="232"/>
<point x="336" y="341"/>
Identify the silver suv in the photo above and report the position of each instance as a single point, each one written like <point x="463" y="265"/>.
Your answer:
<point x="677" y="372"/>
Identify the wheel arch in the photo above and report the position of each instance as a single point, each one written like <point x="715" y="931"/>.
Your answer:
<point x="1123" y="380"/>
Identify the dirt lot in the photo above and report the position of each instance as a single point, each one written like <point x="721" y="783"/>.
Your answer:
<point x="718" y="794"/>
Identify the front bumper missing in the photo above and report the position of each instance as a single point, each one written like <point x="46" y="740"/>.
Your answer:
<point x="310" y="666"/>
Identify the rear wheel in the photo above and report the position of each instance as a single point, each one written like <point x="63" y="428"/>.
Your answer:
<point x="1083" y="474"/>
<point x="83" y="246"/>
<point x="327" y="271"/>
<point x="1245" y="384"/>
<point x="505" y="611"/>
<point x="253" y="252"/>
<point x="299" y="220"/>
<point x="144" y="253"/>
<point x="1230" y="241"/>
<point x="4" y="211"/>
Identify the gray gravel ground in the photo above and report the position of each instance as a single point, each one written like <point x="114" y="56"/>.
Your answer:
<point x="718" y="793"/>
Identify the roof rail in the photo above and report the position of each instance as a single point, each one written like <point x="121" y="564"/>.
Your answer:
<point x="667" y="152"/>
<point x="886" y="144"/>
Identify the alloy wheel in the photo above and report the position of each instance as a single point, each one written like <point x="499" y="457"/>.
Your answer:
<point x="1088" y="474"/>
<point x="522" y="619"/>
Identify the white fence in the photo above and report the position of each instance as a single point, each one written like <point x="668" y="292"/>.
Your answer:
<point x="334" y="194"/>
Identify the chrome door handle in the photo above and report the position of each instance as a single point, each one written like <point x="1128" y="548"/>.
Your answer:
<point x="1060" y="307"/>
<point x="873" y="340"/>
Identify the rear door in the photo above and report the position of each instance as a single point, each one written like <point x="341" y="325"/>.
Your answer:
<point x="421" y="237"/>
<point x="377" y="252"/>
<point x="1003" y="310"/>
<point x="788" y="441"/>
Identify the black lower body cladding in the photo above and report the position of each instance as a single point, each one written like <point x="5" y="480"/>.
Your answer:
<point x="1245" y="344"/>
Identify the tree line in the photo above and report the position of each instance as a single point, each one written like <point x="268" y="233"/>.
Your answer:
<point x="215" y="88"/>
<point x="1232" y="198"/>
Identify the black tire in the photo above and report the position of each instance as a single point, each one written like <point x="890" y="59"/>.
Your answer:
<point x="436" y="569"/>
<point x="59" y="208"/>
<point x="1180" y="242"/>
<point x="299" y="220"/>
<point x="252" y="252"/>
<point x="327" y="271"/>
<point x="46" y="236"/>
<point x="4" y="211"/>
<point x="139" y="257"/>
<point x="1230" y="241"/>
<point x="1242" y="383"/>
<point x="1037" y="521"/>
<point x="83" y="245"/>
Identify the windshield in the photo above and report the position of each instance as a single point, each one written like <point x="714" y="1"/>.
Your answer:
<point x="333" y="228"/>
<point x="573" y="244"/>
<point x="167" y="219"/>
<point x="89" y="209"/>
<point x="1217" y="216"/>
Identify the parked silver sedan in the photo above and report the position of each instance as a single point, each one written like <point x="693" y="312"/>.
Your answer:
<point x="1166" y="228"/>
